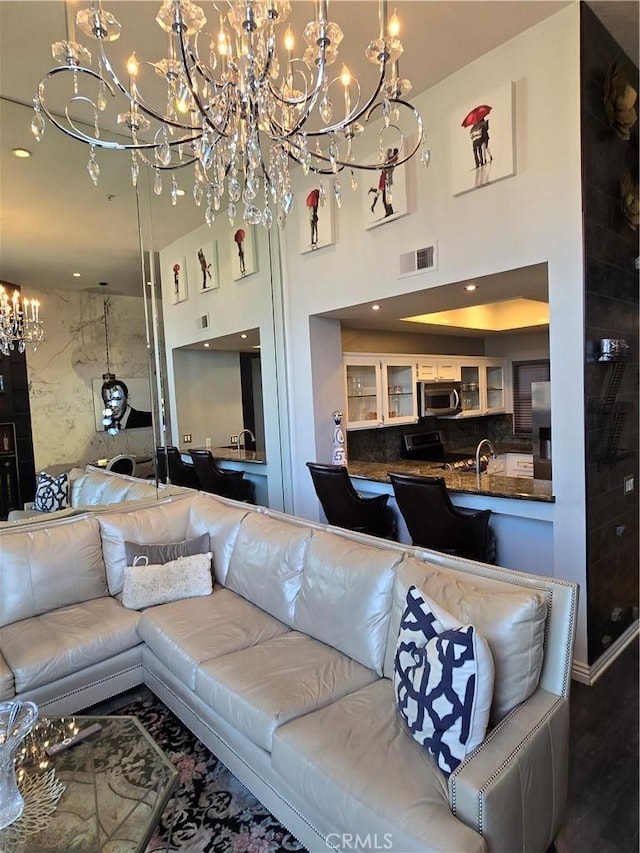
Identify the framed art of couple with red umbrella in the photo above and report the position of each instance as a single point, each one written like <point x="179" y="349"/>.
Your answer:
<point x="482" y="148"/>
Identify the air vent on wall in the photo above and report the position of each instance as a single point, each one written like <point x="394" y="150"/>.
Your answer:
<point x="419" y="260"/>
<point x="203" y="322"/>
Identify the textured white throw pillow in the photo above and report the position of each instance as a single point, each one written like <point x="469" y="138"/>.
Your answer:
<point x="186" y="577"/>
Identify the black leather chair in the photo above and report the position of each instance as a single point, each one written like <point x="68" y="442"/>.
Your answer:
<point x="218" y="481"/>
<point x="344" y="507"/>
<point x="434" y="522"/>
<point x="169" y="461"/>
<point x="122" y="464"/>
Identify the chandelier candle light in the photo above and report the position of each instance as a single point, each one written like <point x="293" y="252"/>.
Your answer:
<point x="234" y="105"/>
<point x="20" y="322"/>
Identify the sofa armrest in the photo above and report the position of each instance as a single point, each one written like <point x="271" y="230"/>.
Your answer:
<point x="513" y="788"/>
<point x="27" y="512"/>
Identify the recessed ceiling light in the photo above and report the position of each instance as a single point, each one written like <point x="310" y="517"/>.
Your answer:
<point x="471" y="287"/>
<point x="207" y="345"/>
<point x="77" y="275"/>
<point x="375" y="307"/>
<point x="21" y="152"/>
<point x="243" y="336"/>
<point x="256" y="346"/>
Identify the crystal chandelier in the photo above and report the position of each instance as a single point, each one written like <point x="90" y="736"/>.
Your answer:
<point x="20" y="322"/>
<point x="231" y="104"/>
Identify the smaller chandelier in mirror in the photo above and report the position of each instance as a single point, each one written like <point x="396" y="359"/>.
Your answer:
<point x="20" y="322"/>
<point x="230" y="104"/>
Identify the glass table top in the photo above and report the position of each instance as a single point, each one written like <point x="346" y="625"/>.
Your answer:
<point x="117" y="784"/>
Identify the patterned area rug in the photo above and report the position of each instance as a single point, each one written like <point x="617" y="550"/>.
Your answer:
<point x="212" y="812"/>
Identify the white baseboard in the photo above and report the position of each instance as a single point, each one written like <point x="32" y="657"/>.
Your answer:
<point x="586" y="674"/>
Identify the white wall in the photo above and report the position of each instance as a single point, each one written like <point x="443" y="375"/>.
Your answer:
<point x="61" y="373"/>
<point x="208" y="395"/>
<point x="234" y="307"/>
<point x="532" y="218"/>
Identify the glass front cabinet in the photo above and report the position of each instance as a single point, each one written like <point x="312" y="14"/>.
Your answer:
<point x="482" y="387"/>
<point x="494" y="387"/>
<point x="379" y="391"/>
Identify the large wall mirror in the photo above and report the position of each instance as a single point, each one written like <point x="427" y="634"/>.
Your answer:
<point x="95" y="257"/>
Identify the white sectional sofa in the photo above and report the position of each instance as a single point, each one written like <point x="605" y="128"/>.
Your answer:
<point x="94" y="489"/>
<point x="285" y="670"/>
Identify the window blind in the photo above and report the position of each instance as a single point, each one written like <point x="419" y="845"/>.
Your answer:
<point x="524" y="373"/>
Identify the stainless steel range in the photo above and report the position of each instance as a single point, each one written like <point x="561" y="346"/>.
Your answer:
<point x="429" y="447"/>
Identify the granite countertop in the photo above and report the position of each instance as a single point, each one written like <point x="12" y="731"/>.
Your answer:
<point x="493" y="485"/>
<point x="230" y="454"/>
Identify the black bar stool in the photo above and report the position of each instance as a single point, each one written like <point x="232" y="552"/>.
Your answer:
<point x="434" y="522"/>
<point x="218" y="481"/>
<point x="344" y="507"/>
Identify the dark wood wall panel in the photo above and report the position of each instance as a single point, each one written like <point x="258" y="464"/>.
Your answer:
<point x="611" y="311"/>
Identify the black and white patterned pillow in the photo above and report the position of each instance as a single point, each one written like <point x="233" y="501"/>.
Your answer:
<point x="52" y="493"/>
<point x="443" y="680"/>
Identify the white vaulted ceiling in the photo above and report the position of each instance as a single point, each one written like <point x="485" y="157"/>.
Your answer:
<point x="53" y="221"/>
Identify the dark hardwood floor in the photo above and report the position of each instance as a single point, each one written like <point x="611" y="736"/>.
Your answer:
<point x="602" y="815"/>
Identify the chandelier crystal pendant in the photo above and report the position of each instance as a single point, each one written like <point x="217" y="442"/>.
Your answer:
<point x="20" y="322"/>
<point x="231" y="104"/>
<point x="112" y="391"/>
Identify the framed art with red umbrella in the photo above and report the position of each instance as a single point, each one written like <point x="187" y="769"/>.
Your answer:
<point x="483" y="140"/>
<point x="315" y="215"/>
<point x="242" y="243"/>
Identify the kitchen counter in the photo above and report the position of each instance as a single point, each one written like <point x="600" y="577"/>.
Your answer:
<point x="229" y="454"/>
<point x="519" y="488"/>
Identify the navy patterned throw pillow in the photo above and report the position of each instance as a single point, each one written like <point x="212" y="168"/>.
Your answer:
<point x="443" y="680"/>
<point x="52" y="493"/>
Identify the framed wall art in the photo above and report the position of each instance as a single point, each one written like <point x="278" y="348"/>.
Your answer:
<point x="243" y="252"/>
<point x="135" y="410"/>
<point x="178" y="279"/>
<point x="315" y="214"/>
<point x="207" y="266"/>
<point x="483" y="140"/>
<point x="384" y="193"/>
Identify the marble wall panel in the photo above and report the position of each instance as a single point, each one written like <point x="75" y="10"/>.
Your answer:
<point x="61" y="372"/>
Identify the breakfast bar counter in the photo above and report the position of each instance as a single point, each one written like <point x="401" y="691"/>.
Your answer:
<point x="492" y="485"/>
<point x="522" y="509"/>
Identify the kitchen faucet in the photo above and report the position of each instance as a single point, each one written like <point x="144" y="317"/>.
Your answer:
<point x="478" y="449"/>
<point x="245" y="432"/>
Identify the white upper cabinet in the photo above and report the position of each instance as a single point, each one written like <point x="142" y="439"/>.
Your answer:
<point x="438" y="368"/>
<point x="379" y="391"/>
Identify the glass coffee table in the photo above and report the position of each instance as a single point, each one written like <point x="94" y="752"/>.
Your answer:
<point x="117" y="783"/>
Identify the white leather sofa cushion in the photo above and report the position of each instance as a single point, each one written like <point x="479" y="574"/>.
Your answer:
<point x="260" y="688"/>
<point x="366" y="775"/>
<point x="45" y="568"/>
<point x="47" y="647"/>
<point x="345" y="597"/>
<point x="105" y="487"/>
<point x="165" y="522"/>
<point x="185" y="633"/>
<point x="7" y="687"/>
<point x="512" y="622"/>
<point x="209" y="515"/>
<point x="266" y="564"/>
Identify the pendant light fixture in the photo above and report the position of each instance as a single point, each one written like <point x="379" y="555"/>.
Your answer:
<point x="111" y="394"/>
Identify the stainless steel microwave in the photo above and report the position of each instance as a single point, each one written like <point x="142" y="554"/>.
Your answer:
<point x="436" y="398"/>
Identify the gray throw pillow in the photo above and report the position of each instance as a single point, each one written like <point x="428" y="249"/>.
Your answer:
<point x="164" y="552"/>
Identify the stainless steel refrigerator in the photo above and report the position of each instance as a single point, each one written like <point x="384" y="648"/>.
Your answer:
<point x="541" y="422"/>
